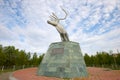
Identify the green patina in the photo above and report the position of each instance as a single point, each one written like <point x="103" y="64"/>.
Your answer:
<point x="64" y="60"/>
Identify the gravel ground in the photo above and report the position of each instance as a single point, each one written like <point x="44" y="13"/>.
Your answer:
<point x="94" y="74"/>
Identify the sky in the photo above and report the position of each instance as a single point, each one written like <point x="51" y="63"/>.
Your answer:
<point x="94" y="24"/>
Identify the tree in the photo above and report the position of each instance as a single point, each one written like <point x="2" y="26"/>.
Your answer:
<point x="9" y="55"/>
<point x="118" y="59"/>
<point x="87" y="60"/>
<point x="28" y="55"/>
<point x="35" y="59"/>
<point x="93" y="63"/>
<point x="40" y="58"/>
<point x="22" y="58"/>
<point x="2" y="56"/>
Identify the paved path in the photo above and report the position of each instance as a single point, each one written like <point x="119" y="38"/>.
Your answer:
<point x="5" y="76"/>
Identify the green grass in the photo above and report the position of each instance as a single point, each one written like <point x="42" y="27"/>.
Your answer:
<point x="5" y="70"/>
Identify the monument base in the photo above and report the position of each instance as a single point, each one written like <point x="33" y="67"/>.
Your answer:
<point x="63" y="60"/>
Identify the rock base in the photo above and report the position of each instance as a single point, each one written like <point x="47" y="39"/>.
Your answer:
<point x="63" y="60"/>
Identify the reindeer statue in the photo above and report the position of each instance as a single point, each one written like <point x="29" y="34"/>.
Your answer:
<point x="54" y="21"/>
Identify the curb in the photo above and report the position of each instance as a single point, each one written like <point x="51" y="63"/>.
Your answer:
<point x="11" y="77"/>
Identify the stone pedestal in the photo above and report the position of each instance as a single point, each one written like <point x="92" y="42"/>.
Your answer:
<point x="63" y="60"/>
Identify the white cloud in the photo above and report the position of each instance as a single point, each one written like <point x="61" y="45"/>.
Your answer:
<point x="5" y="34"/>
<point x="104" y="42"/>
<point x="83" y="15"/>
<point x="109" y="5"/>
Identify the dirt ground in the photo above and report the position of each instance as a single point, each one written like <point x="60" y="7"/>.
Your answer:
<point x="94" y="74"/>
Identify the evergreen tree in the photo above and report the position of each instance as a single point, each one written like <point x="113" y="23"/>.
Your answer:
<point x="40" y="58"/>
<point x="35" y="59"/>
<point x="87" y="59"/>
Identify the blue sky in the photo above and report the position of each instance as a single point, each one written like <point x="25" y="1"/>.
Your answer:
<point x="95" y="24"/>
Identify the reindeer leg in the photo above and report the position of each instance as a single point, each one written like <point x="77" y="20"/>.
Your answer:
<point x="61" y="35"/>
<point x="66" y="36"/>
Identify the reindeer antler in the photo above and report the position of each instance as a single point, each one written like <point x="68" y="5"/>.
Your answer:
<point x="65" y="14"/>
<point x="54" y="17"/>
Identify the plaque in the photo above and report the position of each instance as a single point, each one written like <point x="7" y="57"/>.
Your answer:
<point x="57" y="51"/>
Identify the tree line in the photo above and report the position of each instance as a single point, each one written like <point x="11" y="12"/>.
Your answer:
<point x="10" y="56"/>
<point x="103" y="59"/>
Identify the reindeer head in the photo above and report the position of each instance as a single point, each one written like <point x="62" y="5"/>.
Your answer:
<point x="54" y="20"/>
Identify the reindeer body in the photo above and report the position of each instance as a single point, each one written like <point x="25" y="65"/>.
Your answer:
<point x="61" y="30"/>
<point x="55" y="22"/>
